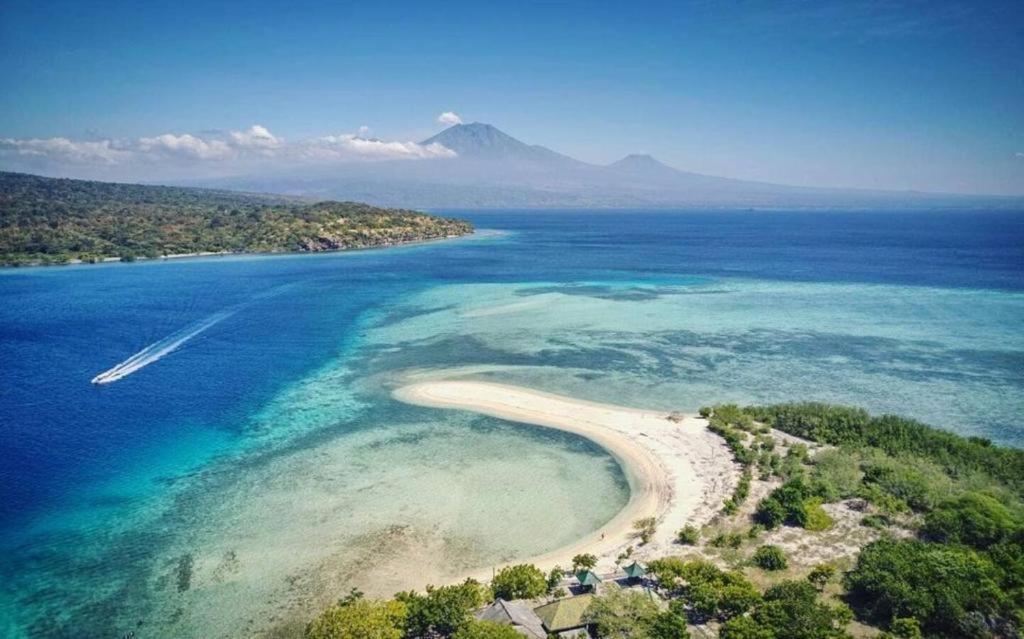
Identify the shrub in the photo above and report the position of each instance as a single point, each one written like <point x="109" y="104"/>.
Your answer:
<point x="906" y="628"/>
<point x="836" y="475"/>
<point x="769" y="557"/>
<point x="523" y="581"/>
<point x="645" y="528"/>
<point x="973" y="519"/>
<point x="875" y="521"/>
<point x="688" y="535"/>
<point x="815" y="517"/>
<point x="727" y="540"/>
<point x="820" y="575"/>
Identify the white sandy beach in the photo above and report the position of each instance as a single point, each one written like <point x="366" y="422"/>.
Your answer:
<point x="678" y="472"/>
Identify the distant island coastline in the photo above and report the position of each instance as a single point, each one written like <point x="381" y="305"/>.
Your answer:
<point x="47" y="221"/>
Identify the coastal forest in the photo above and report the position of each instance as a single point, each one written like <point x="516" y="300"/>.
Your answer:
<point x="842" y="525"/>
<point x="56" y="221"/>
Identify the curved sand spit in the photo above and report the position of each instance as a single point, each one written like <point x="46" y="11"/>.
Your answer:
<point x="678" y="472"/>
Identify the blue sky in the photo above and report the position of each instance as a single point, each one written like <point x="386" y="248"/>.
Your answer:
<point x="920" y="95"/>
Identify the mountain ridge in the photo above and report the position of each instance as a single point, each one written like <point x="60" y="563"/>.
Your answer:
<point x="492" y="169"/>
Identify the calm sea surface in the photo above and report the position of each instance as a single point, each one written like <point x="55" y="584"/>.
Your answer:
<point x="247" y="461"/>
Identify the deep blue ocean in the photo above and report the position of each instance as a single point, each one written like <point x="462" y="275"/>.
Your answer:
<point x="919" y="313"/>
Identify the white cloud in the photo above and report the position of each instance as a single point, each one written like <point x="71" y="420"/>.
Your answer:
<point x="256" y="137"/>
<point x="253" y="149"/>
<point x="449" y="118"/>
<point x="183" y="145"/>
<point x="102" y="152"/>
<point x="1019" y="154"/>
<point x="347" y="145"/>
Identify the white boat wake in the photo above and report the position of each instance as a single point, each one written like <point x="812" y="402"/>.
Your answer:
<point x="159" y="349"/>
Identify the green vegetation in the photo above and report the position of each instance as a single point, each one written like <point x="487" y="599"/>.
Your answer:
<point x="441" y="610"/>
<point x="941" y="586"/>
<point x="963" y="574"/>
<point x="624" y="614"/>
<point x="769" y="557"/>
<point x="645" y="528"/>
<point x="585" y="561"/>
<point x="790" y="610"/>
<point x="897" y="437"/>
<point x="688" y="535"/>
<point x="821" y="575"/>
<point x="523" y="581"/>
<point x="54" y="221"/>
<point x="360" y="619"/>
<point x="943" y="552"/>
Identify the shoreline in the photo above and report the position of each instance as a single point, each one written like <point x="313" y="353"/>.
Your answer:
<point x="205" y="254"/>
<point x="678" y="472"/>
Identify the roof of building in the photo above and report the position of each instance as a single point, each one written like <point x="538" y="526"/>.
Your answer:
<point x="588" y="578"/>
<point x="635" y="570"/>
<point x="565" y="613"/>
<point x="522" y="619"/>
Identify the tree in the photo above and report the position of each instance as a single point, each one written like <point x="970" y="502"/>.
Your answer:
<point x="791" y="610"/>
<point x="769" y="557"/>
<point x="669" y="625"/>
<point x="745" y="628"/>
<point x="906" y="628"/>
<point x="669" y="571"/>
<point x="645" y="528"/>
<point x="584" y="561"/>
<point x="555" y="577"/>
<point x="523" y="581"/>
<point x="935" y="584"/>
<point x="709" y="591"/>
<point x="770" y="513"/>
<point x="973" y="519"/>
<point x="820" y="575"/>
<point x="688" y="535"/>
<point x="486" y="630"/>
<point x="441" y="610"/>
<point x="360" y="619"/>
<point x="622" y="614"/>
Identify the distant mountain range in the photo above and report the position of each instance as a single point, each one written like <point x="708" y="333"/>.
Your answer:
<point x="495" y="170"/>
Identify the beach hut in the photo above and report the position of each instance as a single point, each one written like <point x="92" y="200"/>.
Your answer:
<point x="635" y="571"/>
<point x="588" y="579"/>
<point x="565" y="617"/>
<point x="509" y="613"/>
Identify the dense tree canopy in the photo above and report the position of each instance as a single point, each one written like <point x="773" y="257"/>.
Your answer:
<point x="523" y="581"/>
<point x="939" y="585"/>
<point x="360" y="619"/>
<point x="46" y="220"/>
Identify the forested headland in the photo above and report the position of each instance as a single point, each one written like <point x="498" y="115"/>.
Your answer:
<point x="56" y="221"/>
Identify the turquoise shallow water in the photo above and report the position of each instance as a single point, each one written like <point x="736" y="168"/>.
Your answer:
<point x="239" y="481"/>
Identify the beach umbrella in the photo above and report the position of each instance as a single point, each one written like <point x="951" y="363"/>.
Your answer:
<point x="635" y="570"/>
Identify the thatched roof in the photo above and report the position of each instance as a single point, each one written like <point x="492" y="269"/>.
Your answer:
<point x="522" y="619"/>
